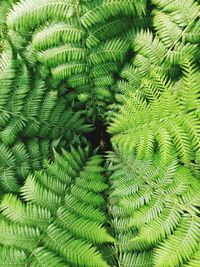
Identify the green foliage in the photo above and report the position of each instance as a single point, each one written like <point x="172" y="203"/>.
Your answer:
<point x="154" y="207"/>
<point x="69" y="39"/>
<point x="11" y="256"/>
<point x="47" y="226"/>
<point x="153" y="118"/>
<point x="158" y="111"/>
<point x="27" y="13"/>
<point x="18" y="160"/>
<point x="29" y="108"/>
<point x="65" y="65"/>
<point x="143" y="259"/>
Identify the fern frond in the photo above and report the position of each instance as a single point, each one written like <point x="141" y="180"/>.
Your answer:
<point x="83" y="210"/>
<point x="73" y="250"/>
<point x="34" y="193"/>
<point x="181" y="140"/>
<point x="132" y="259"/>
<point x="63" y="64"/>
<point x="83" y="228"/>
<point x="22" y="237"/>
<point x="47" y="105"/>
<point x="111" y="50"/>
<point x="63" y="71"/>
<point x="194" y="261"/>
<point x="149" y="47"/>
<point x="181" y="53"/>
<point x="96" y="185"/>
<point x="12" y="256"/>
<point x="7" y="162"/>
<point x="95" y="200"/>
<point x="50" y="182"/>
<point x="7" y="74"/>
<point x="168" y="31"/>
<point x="13" y="128"/>
<point x="56" y="214"/>
<point x="137" y="200"/>
<point x="192" y="33"/>
<point x="42" y="256"/>
<point x="189" y="93"/>
<point x="27" y="14"/>
<point x="183" y="12"/>
<point x="103" y="10"/>
<point x="161" y="227"/>
<point x="55" y="33"/>
<point x="16" y="211"/>
<point x="180" y="246"/>
<point x="59" y="55"/>
<point x="148" y="212"/>
<point x="112" y="28"/>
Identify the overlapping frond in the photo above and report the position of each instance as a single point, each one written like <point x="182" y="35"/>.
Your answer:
<point x="163" y="123"/>
<point x="148" y="212"/>
<point x="12" y="256"/>
<point x="62" y="65"/>
<point x="27" y="14"/>
<point x="48" y="226"/>
<point x="18" y="160"/>
<point x="69" y="39"/>
<point x="30" y="108"/>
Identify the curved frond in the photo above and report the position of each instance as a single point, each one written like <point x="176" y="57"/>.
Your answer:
<point x="180" y="246"/>
<point x="26" y="14"/>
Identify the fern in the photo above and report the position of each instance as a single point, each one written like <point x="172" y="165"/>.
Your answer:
<point x="65" y="68"/>
<point x="152" y="216"/>
<point x="173" y="127"/>
<point x="77" y="245"/>
<point x="77" y="38"/>
<point x="12" y="256"/>
<point x="143" y="259"/>
<point x="20" y="159"/>
<point x="184" y="240"/>
<point x="54" y="33"/>
<point x="29" y="13"/>
<point x="102" y="11"/>
<point x="41" y="112"/>
<point x="194" y="261"/>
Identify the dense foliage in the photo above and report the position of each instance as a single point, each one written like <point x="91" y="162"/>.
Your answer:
<point x="134" y="66"/>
